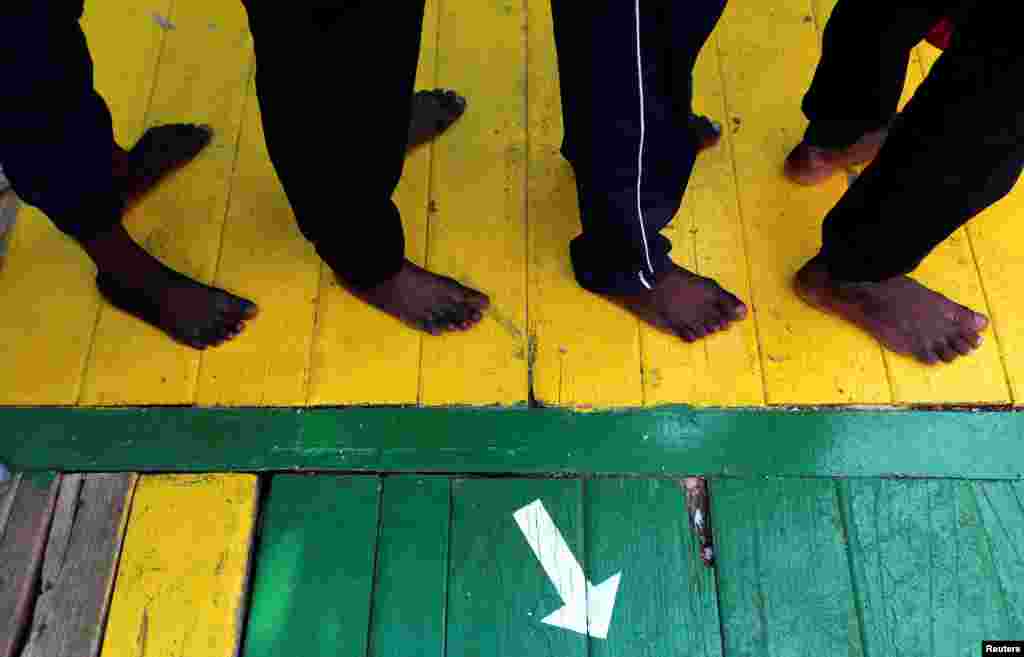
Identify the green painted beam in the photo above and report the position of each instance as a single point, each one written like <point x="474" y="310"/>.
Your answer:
<point x="664" y="441"/>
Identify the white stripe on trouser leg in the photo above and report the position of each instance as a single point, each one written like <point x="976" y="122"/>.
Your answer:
<point x="640" y="155"/>
<point x="644" y="280"/>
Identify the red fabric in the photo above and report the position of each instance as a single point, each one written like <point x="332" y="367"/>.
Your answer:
<point x="939" y="35"/>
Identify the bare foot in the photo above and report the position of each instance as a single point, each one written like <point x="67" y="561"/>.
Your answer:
<point x="433" y="112"/>
<point x="812" y="165"/>
<point x="902" y="314"/>
<point x="426" y="301"/>
<point x="161" y="151"/>
<point x="197" y="315"/>
<point x="685" y="304"/>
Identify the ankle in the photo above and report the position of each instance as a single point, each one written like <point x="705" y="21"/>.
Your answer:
<point x="117" y="256"/>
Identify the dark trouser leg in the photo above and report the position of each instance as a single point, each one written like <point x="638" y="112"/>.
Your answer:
<point x="958" y="149"/>
<point x="863" y="66"/>
<point x="56" y="136"/>
<point x="334" y="87"/>
<point x="623" y="67"/>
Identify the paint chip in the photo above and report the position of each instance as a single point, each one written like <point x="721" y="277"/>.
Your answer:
<point x="162" y="21"/>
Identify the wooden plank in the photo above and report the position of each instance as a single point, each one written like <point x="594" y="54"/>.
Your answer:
<point x="181" y="582"/>
<point x="410" y="592"/>
<point x="821" y="12"/>
<point x="44" y="345"/>
<point x="990" y="240"/>
<point x="991" y="235"/>
<point x="663" y="442"/>
<point x="993" y="512"/>
<point x="976" y="379"/>
<point x="79" y="565"/>
<point x="361" y="355"/>
<point x="24" y="527"/>
<point x="783" y="577"/>
<point x="478" y="233"/>
<point x="498" y="592"/>
<point x="808" y="357"/>
<point x="48" y="277"/>
<point x="314" y="576"/>
<point x="708" y="237"/>
<point x="584" y="351"/>
<point x="935" y="563"/>
<point x="667" y="602"/>
<point x="8" y="487"/>
<point x="951" y="270"/>
<point x="927" y="55"/>
<point x="265" y="258"/>
<point x="203" y="74"/>
<point x="126" y="42"/>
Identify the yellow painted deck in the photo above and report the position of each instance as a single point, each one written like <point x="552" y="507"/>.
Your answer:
<point x="492" y="204"/>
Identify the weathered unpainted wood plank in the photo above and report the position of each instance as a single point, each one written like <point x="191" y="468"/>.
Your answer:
<point x="667" y="599"/>
<point x="25" y="513"/>
<point x="79" y="565"/>
<point x="182" y="578"/>
<point x="314" y="577"/>
<point x="8" y="486"/>
<point x="498" y="592"/>
<point x="410" y="593"/>
<point x="783" y="575"/>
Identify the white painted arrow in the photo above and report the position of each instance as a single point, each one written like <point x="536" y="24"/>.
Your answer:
<point x="588" y="608"/>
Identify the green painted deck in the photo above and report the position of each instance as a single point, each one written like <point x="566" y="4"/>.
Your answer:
<point x="439" y="565"/>
<point x="860" y="533"/>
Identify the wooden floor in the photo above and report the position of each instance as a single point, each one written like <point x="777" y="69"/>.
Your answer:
<point x="492" y="204"/>
<point x="207" y="565"/>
